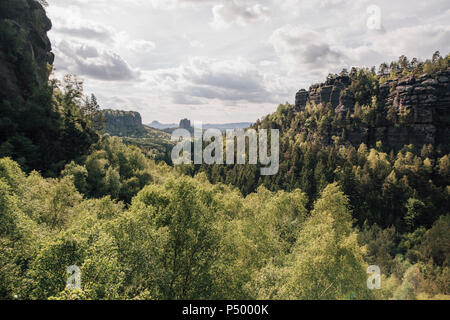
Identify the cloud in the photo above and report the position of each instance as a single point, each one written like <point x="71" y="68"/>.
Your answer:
<point x="404" y="41"/>
<point x="305" y="50"/>
<point x="311" y="54"/>
<point x="225" y="12"/>
<point x="236" y="75"/>
<point x="141" y="46"/>
<point x="83" y="51"/>
<point x="88" y="61"/>
<point x="185" y="99"/>
<point x="230" y="80"/>
<point x="203" y="80"/>
<point x="196" y="44"/>
<point x="90" y="31"/>
<point x="174" y="4"/>
<point x="68" y="21"/>
<point x="233" y="12"/>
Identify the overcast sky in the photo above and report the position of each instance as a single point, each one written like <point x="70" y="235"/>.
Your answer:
<point x="231" y="60"/>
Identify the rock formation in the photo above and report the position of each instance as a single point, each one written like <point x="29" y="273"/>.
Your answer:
<point x="333" y="91"/>
<point x="185" y="124"/>
<point x="25" y="50"/>
<point x="422" y="103"/>
<point x="301" y="98"/>
<point x="123" y="123"/>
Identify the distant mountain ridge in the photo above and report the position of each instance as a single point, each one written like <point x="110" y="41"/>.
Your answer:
<point x="158" y="125"/>
<point x="221" y="126"/>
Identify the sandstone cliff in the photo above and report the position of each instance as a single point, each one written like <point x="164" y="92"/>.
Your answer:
<point x="123" y="123"/>
<point x="425" y="102"/>
<point x="185" y="124"/>
<point x="25" y="50"/>
<point x="421" y="102"/>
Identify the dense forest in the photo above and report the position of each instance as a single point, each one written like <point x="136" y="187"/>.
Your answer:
<point x="141" y="228"/>
<point x="184" y="238"/>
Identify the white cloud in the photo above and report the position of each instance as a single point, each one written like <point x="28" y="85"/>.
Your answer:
<point x="197" y="44"/>
<point x="88" y="61"/>
<point x="312" y="54"/>
<point x="234" y="12"/>
<point x="205" y="81"/>
<point x="141" y="46"/>
<point x="406" y="41"/>
<point x="306" y="50"/>
<point x="82" y="29"/>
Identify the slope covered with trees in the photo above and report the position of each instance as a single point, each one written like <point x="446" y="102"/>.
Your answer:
<point x="380" y="179"/>
<point x="184" y="238"/>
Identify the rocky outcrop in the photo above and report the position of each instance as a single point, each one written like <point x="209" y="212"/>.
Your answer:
<point x="123" y="123"/>
<point x="185" y="124"/>
<point x="333" y="91"/>
<point x="25" y="50"/>
<point x="301" y="98"/>
<point x="420" y="104"/>
<point x="423" y="104"/>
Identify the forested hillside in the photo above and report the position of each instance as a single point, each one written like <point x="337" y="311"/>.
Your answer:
<point x="355" y="140"/>
<point x="139" y="228"/>
<point x="383" y="137"/>
<point x="184" y="238"/>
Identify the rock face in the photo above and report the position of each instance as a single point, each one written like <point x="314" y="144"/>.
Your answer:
<point x="333" y="91"/>
<point x="123" y="123"/>
<point x="185" y="124"/>
<point x="25" y="50"/>
<point x="301" y="98"/>
<point x="422" y="104"/>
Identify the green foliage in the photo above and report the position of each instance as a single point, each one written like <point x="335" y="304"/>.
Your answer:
<point x="8" y="207"/>
<point x="379" y="184"/>
<point x="155" y="144"/>
<point x="380" y="245"/>
<point x="327" y="262"/>
<point x="175" y="224"/>
<point x="184" y="238"/>
<point x="49" y="128"/>
<point x="415" y="208"/>
<point x="406" y="188"/>
<point x="115" y="169"/>
<point x="364" y="86"/>
<point x="436" y="243"/>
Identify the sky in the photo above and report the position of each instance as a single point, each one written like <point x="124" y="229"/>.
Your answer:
<point x="219" y="61"/>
